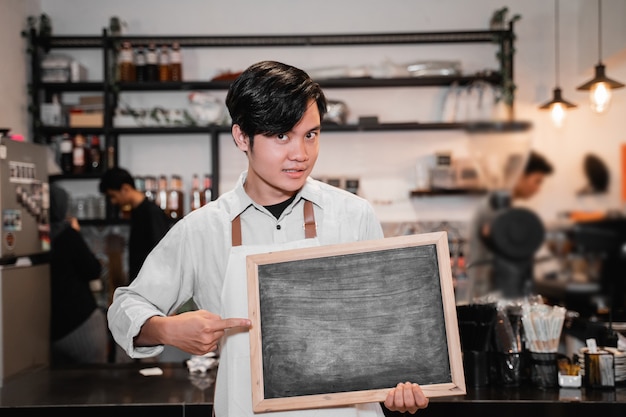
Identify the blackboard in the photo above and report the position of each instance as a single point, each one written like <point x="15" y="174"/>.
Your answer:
<point x="342" y="324"/>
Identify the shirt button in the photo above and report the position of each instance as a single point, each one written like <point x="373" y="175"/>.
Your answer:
<point x="278" y="227"/>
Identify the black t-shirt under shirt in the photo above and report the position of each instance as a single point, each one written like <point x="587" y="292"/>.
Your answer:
<point x="277" y="209"/>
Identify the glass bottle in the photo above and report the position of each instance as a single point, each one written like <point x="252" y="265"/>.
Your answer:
<point x="207" y="190"/>
<point x="196" y="194"/>
<point x="175" y="201"/>
<point x="140" y="183"/>
<point x="164" y="64"/>
<point x="95" y="154"/>
<point x="151" y="187"/>
<point x="67" y="158"/>
<point x="110" y="156"/>
<point x="126" y="66"/>
<point x="79" y="154"/>
<point x="161" y="197"/>
<point x="176" y="63"/>
<point x="140" y="65"/>
<point x="152" y="64"/>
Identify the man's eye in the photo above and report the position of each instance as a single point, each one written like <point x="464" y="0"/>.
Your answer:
<point x="282" y="137"/>
<point x="311" y="135"/>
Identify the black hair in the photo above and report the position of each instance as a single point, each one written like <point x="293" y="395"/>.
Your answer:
<point x="270" y="97"/>
<point x="114" y="178"/>
<point x="537" y="163"/>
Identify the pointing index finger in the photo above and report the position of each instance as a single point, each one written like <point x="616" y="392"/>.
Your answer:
<point x="233" y="322"/>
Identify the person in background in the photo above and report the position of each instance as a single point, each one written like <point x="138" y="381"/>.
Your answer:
<point x="148" y="222"/>
<point x="480" y="256"/>
<point x="276" y="111"/>
<point x="78" y="328"/>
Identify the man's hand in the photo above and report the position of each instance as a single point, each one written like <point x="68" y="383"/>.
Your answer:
<point x="196" y="332"/>
<point x="406" y="397"/>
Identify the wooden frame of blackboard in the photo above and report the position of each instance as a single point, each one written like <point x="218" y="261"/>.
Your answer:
<point x="313" y="331"/>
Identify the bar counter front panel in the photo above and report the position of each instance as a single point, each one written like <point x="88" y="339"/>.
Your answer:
<point x="120" y="390"/>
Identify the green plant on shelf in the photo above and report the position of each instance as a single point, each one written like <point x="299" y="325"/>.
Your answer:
<point x="499" y="21"/>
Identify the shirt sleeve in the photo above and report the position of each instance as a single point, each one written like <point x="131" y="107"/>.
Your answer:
<point x="164" y="283"/>
<point x="189" y="261"/>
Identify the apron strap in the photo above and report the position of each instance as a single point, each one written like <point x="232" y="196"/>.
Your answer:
<point x="236" y="233"/>
<point x="310" y="228"/>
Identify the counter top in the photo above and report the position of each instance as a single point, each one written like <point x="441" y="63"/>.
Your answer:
<point x="108" y="389"/>
<point x="120" y="390"/>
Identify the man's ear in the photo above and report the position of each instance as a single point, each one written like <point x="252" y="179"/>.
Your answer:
<point x="240" y="138"/>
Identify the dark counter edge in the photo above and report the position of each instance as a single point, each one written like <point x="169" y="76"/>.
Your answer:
<point x="485" y="401"/>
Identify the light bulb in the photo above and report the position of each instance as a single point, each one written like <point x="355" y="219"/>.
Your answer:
<point x="557" y="113"/>
<point x="600" y="96"/>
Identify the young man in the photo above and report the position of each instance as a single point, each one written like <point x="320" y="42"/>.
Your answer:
<point x="480" y="257"/>
<point x="148" y="223"/>
<point x="276" y="113"/>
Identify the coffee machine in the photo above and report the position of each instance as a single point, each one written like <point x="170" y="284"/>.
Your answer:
<point x="603" y="241"/>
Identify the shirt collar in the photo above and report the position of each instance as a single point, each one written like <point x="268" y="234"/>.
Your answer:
<point x="311" y="191"/>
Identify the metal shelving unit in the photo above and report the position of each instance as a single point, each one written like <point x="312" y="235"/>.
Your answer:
<point x="502" y="39"/>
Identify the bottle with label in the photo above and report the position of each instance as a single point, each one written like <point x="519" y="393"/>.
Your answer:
<point x="110" y="156"/>
<point x="126" y="65"/>
<point x="176" y="63"/>
<point x="140" y="65"/>
<point x="95" y="154"/>
<point x="151" y="187"/>
<point x="195" y="201"/>
<point x="164" y="64"/>
<point x="79" y="154"/>
<point x="140" y="183"/>
<point x="207" y="189"/>
<point x="161" y="196"/>
<point x="66" y="157"/>
<point x="152" y="63"/>
<point x="175" y="202"/>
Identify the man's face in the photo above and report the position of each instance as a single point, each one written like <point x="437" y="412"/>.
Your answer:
<point x="528" y="185"/>
<point x="279" y="165"/>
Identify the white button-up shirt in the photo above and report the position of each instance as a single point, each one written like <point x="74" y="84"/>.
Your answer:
<point x="190" y="261"/>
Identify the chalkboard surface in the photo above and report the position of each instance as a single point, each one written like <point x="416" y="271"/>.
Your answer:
<point x="351" y="318"/>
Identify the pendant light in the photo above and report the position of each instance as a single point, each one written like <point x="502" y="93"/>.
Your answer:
<point x="558" y="105"/>
<point x="600" y="86"/>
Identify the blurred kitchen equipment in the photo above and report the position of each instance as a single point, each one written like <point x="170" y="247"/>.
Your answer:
<point x="24" y="267"/>
<point x="476" y="323"/>
<point x="598" y="369"/>
<point x="603" y="241"/>
<point x="423" y="168"/>
<point x="542" y="330"/>
<point x="460" y="174"/>
<point x="433" y="68"/>
<point x="513" y="234"/>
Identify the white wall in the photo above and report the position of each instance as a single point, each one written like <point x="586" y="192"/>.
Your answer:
<point x="385" y="161"/>
<point x="13" y="64"/>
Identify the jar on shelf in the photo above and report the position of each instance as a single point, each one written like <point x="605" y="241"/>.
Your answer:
<point x="126" y="64"/>
<point x="164" y="64"/>
<point x="176" y="63"/>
